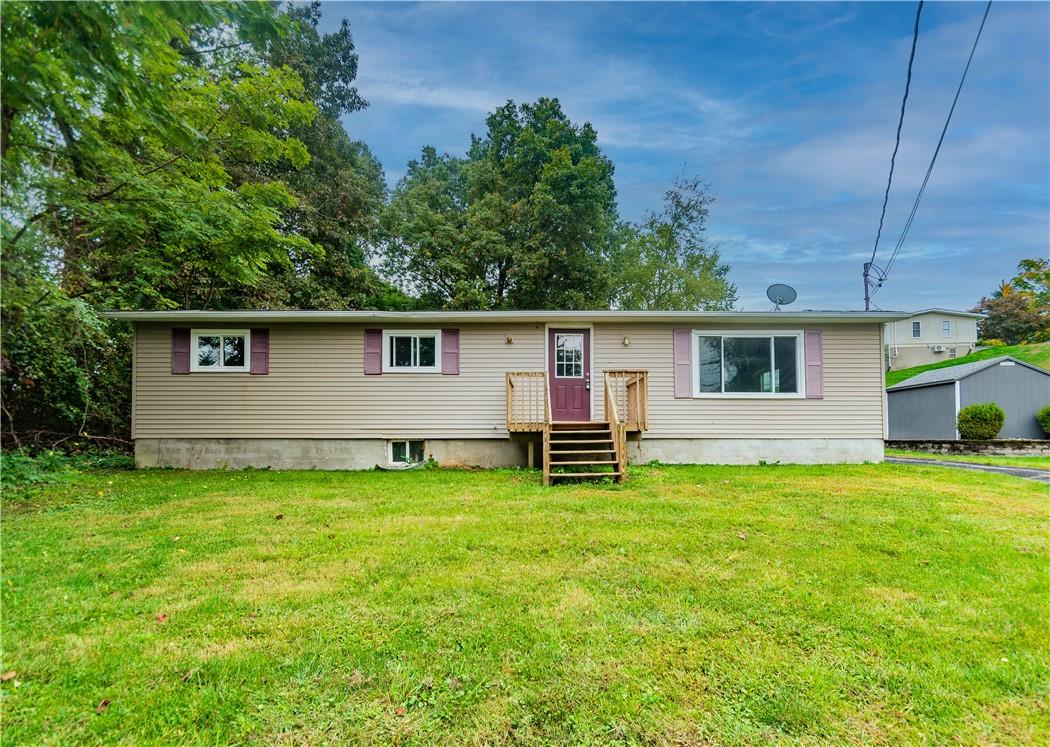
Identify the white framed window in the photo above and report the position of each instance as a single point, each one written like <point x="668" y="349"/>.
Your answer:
<point x="748" y="364"/>
<point x="406" y="452"/>
<point x="916" y="329"/>
<point x="227" y="350"/>
<point x="953" y="352"/>
<point x="946" y="328"/>
<point x="568" y="355"/>
<point x="411" y="351"/>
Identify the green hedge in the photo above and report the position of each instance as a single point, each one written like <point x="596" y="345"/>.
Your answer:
<point x="980" y="422"/>
<point x="1043" y="418"/>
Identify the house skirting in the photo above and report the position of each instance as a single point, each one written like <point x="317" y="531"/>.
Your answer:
<point x="351" y="454"/>
<point x="754" y="450"/>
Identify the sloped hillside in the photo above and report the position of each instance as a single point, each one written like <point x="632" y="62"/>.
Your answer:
<point x="1037" y="354"/>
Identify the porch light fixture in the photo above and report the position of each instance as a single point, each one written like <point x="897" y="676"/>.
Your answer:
<point x="509" y="340"/>
<point x="626" y="341"/>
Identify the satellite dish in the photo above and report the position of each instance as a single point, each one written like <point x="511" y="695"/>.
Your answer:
<point x="781" y="295"/>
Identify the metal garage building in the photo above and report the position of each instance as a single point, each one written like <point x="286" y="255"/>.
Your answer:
<point x="926" y="406"/>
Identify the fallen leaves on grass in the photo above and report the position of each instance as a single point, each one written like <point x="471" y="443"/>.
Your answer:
<point x="103" y="705"/>
<point x="8" y="676"/>
<point x="278" y="517"/>
<point x="161" y="617"/>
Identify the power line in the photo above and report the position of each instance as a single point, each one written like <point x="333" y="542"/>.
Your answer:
<point x="900" y="124"/>
<point x="940" y="141"/>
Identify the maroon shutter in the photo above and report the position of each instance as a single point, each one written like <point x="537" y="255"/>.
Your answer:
<point x="180" y="350"/>
<point x="373" y="352"/>
<point x="814" y="364"/>
<point x="683" y="363"/>
<point x="260" y="346"/>
<point x="450" y="352"/>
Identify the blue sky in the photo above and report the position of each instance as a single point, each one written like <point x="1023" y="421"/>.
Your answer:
<point x="787" y="109"/>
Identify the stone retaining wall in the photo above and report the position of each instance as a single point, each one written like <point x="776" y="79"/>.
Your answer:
<point x="1001" y="447"/>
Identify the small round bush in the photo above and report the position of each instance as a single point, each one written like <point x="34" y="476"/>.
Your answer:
<point x="980" y="422"/>
<point x="993" y="342"/>
<point x="1043" y="418"/>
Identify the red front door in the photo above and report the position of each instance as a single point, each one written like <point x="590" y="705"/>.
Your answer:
<point x="569" y="369"/>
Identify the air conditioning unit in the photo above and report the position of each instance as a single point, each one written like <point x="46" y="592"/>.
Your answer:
<point x="938" y="348"/>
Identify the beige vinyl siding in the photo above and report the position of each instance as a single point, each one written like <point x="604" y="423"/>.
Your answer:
<point x="853" y="391"/>
<point x="964" y="331"/>
<point x="316" y="388"/>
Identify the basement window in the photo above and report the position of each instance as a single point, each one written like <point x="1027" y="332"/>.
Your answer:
<point x="406" y="452"/>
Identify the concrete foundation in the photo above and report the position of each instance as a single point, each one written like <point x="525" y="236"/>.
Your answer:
<point x="351" y="454"/>
<point x="754" y="450"/>
<point x="920" y="355"/>
<point x="317" y="453"/>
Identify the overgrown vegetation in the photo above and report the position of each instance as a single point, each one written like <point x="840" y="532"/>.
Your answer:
<point x="692" y="605"/>
<point x="23" y="472"/>
<point x="981" y="421"/>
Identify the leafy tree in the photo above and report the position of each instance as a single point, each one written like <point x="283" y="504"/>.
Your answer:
<point x="339" y="194"/>
<point x="1033" y="278"/>
<point x="1019" y="310"/>
<point x="159" y="155"/>
<point x="525" y="220"/>
<point x="118" y="140"/>
<point x="666" y="263"/>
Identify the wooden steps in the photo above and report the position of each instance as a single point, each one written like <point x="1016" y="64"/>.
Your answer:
<point x="570" y="446"/>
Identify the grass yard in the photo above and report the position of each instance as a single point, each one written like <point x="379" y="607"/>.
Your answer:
<point x="693" y="605"/>
<point x="1033" y="462"/>
<point x="1038" y="354"/>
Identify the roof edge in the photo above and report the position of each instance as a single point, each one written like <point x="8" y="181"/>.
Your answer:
<point x="953" y="312"/>
<point x="482" y="317"/>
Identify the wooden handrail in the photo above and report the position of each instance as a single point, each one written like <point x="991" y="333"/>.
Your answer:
<point x="631" y="396"/>
<point x="548" y="418"/>
<point x="618" y="430"/>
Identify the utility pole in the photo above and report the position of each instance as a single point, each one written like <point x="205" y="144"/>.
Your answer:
<point x="867" y="287"/>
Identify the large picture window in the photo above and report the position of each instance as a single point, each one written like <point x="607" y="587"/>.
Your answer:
<point x="747" y="364"/>
<point x="220" y="350"/>
<point x="412" y="352"/>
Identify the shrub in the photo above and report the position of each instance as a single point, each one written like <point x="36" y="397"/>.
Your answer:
<point x="1043" y="418"/>
<point x="23" y="470"/>
<point x="980" y="422"/>
<point x="994" y="342"/>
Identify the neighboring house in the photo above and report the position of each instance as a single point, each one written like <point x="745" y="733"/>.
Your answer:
<point x="353" y="389"/>
<point x="930" y="336"/>
<point x="926" y="406"/>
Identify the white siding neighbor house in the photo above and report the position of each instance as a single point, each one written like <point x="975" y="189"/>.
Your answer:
<point x="558" y="389"/>
<point x="929" y="336"/>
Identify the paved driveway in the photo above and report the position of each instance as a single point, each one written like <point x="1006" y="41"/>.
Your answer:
<point x="1040" y="475"/>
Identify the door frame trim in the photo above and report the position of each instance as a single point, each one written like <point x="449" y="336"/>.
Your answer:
<point x="547" y="327"/>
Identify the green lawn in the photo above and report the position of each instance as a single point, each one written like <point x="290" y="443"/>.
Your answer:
<point x="691" y="606"/>
<point x="1033" y="462"/>
<point x="1037" y="354"/>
